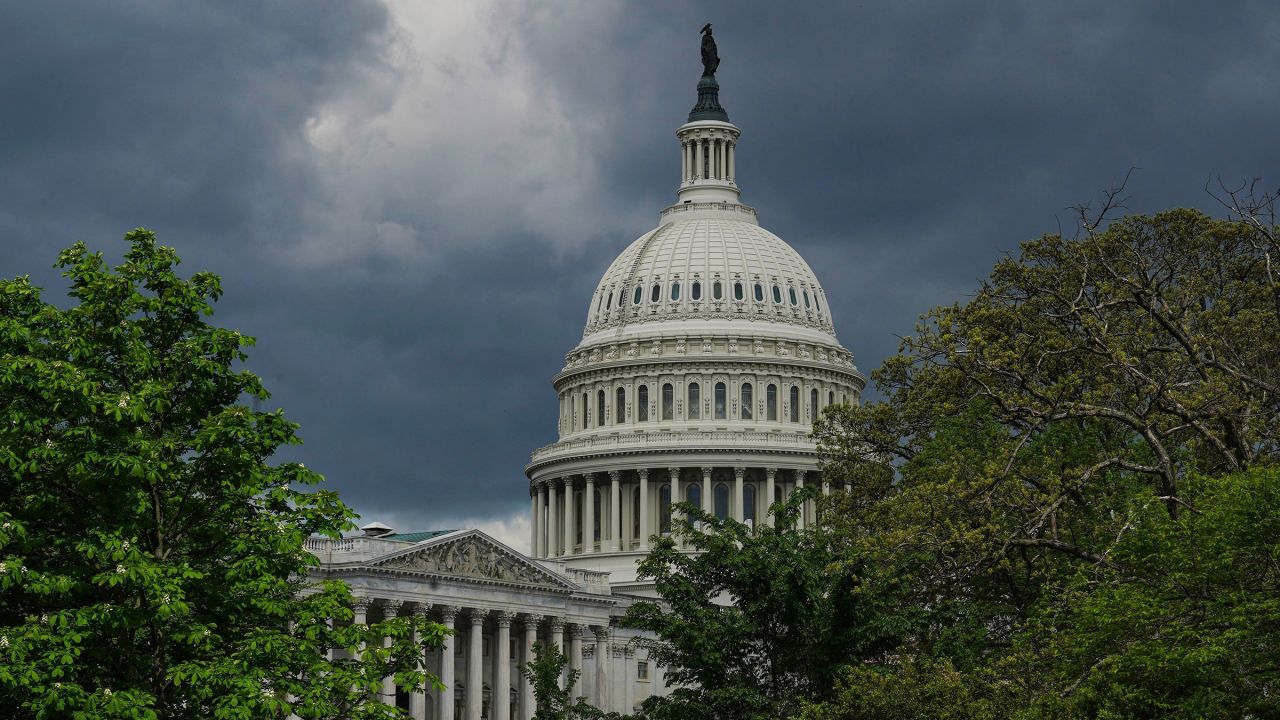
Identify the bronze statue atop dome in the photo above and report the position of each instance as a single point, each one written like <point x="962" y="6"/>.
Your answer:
<point x="710" y="60"/>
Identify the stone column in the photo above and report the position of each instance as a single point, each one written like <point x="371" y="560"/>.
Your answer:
<point x="533" y="522"/>
<point x="575" y="652"/>
<point x="602" y="667"/>
<point x="804" y="506"/>
<point x="529" y="702"/>
<point x="568" y="515"/>
<point x="557" y="639"/>
<point x="475" y="664"/>
<point x="697" y="159"/>
<point x="739" y="512"/>
<point x="644" y="509"/>
<point x="390" y="609"/>
<point x="502" y="667"/>
<point x="733" y="152"/>
<point x="549" y="544"/>
<point x="615" y="511"/>
<point x="447" y="615"/>
<point x="769" y="491"/>
<point x="589" y="514"/>
<point x="708" y="503"/>
<point x="418" y="699"/>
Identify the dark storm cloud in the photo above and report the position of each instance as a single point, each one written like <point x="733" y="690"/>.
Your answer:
<point x="901" y="148"/>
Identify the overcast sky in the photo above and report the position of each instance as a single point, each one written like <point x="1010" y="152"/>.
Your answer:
<point x="410" y="203"/>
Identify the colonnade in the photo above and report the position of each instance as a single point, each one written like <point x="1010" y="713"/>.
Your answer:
<point x="502" y="693"/>
<point x="708" y="159"/>
<point x="564" y="508"/>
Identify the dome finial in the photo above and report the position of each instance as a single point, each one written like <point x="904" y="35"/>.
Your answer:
<point x="708" y="106"/>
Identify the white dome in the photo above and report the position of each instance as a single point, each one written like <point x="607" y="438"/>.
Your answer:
<point x="764" y="286"/>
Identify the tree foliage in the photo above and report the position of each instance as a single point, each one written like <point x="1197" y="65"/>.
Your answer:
<point x="1045" y="457"/>
<point x="152" y="560"/>
<point x="553" y="687"/>
<point x="755" y="621"/>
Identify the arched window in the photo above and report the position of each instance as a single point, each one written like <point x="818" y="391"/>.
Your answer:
<point x="721" y="501"/>
<point x="749" y="504"/>
<point x="791" y="294"/>
<point x="813" y="405"/>
<point x="695" y="290"/>
<point x="831" y="397"/>
<point x="675" y="291"/>
<point x="720" y="401"/>
<point x="664" y="509"/>
<point x="596" y="516"/>
<point x="695" y="401"/>
<point x="795" y="404"/>
<point x="577" y="517"/>
<point x="693" y="494"/>
<point x="638" y="296"/>
<point x="745" y="397"/>
<point x="642" y="403"/>
<point x="599" y="408"/>
<point x="717" y="291"/>
<point x="608" y="302"/>
<point x="759" y="291"/>
<point x="586" y="412"/>
<point x="600" y="303"/>
<point x="622" y="295"/>
<point x="657" y="293"/>
<point x="771" y="402"/>
<point x="620" y="407"/>
<point x="737" y="291"/>
<point x="668" y="401"/>
<point x="777" y="295"/>
<point x="817" y="305"/>
<point x="806" y="300"/>
<point x="635" y="516"/>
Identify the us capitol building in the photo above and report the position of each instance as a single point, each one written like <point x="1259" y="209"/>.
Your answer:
<point x="708" y="352"/>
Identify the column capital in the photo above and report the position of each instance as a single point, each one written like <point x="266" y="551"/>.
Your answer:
<point x="360" y="604"/>
<point x="615" y="475"/>
<point x="477" y="615"/>
<point x="567" y="482"/>
<point x="706" y="472"/>
<point x="557" y="624"/>
<point x="504" y="618"/>
<point x="739" y="472"/>
<point x="602" y="633"/>
<point x="674" y="472"/>
<point x="589" y="478"/>
<point x="643" y="473"/>
<point x="800" y="474"/>
<point x="577" y="630"/>
<point x="449" y="613"/>
<point x="421" y="610"/>
<point x="770" y="473"/>
<point x="531" y="620"/>
<point x="391" y="608"/>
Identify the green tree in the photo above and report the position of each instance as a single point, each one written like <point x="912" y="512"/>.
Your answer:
<point x="554" y="700"/>
<point x="754" y="621"/>
<point x="1026" y="441"/>
<point x="152" y="560"/>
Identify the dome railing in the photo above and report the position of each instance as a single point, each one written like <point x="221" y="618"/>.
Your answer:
<point x="694" y="206"/>
<point x="678" y="439"/>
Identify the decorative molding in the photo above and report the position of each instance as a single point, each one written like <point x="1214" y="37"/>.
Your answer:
<point x="473" y="555"/>
<point x="503" y="618"/>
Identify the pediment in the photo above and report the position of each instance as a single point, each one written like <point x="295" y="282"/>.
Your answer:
<point x="472" y="555"/>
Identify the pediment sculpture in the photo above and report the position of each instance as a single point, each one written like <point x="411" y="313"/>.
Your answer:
<point x="470" y="557"/>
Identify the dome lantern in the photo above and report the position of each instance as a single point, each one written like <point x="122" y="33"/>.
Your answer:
<point x="708" y="141"/>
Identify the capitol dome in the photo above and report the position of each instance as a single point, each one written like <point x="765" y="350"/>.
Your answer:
<point x="707" y="355"/>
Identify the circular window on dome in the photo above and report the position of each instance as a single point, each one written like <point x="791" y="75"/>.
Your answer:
<point x="806" y="300"/>
<point x="759" y="292"/>
<point x="777" y="295"/>
<point x="791" y="293"/>
<point x="675" y="291"/>
<point x="717" y="291"/>
<point x="639" y="295"/>
<point x="695" y="290"/>
<point x="657" y="293"/>
<point x="737" y="291"/>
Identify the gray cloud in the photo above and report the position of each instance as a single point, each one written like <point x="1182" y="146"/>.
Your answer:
<point x="411" y="204"/>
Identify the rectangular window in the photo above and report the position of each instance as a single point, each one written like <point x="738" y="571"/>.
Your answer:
<point x="720" y="401"/>
<point x="747" y="401"/>
<point x="642" y="670"/>
<point x="668" y="401"/>
<point x="695" y="401"/>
